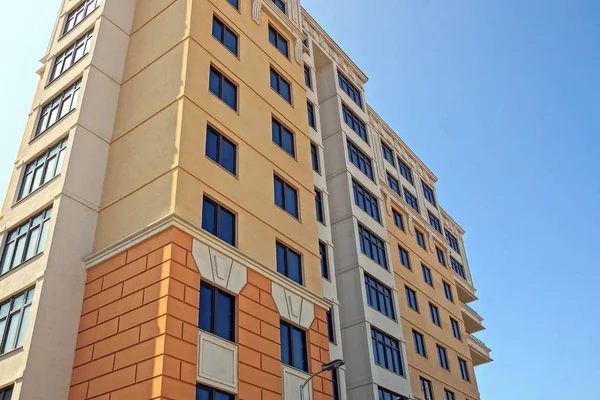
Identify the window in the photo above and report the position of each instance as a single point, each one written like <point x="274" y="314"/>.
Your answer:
<point x="58" y="108"/>
<point x="305" y="43"/>
<point x="43" y="169"/>
<point x="234" y="3"/>
<point x="79" y="14"/>
<point x="226" y="36"/>
<point x="372" y="246"/>
<point x="458" y="268"/>
<point x="393" y="184"/>
<point x="281" y="86"/>
<point x="278" y="41"/>
<point x="26" y="241"/>
<point x="335" y="385"/>
<point x="464" y="369"/>
<point x="360" y="160"/>
<point x="443" y="357"/>
<point x="435" y="314"/>
<point x="324" y="260"/>
<point x="286" y="197"/>
<point x="330" y="327"/>
<point x="441" y="256"/>
<point x="6" y="393"/>
<point x="420" y="238"/>
<point x="404" y="257"/>
<point x="427" y="275"/>
<point x="289" y="263"/>
<point x="379" y="297"/>
<point x="283" y="137"/>
<point x="419" y="343"/>
<point x="293" y="347"/>
<point x="384" y="394"/>
<point x="411" y="200"/>
<point x="355" y="123"/>
<point x="455" y="328"/>
<point x="223" y="88"/>
<point x="319" y="206"/>
<point x="350" y="89"/>
<point x="411" y="298"/>
<point x="398" y="221"/>
<point x="449" y="395"/>
<point x="218" y="221"/>
<point x="435" y="222"/>
<point x="314" y="154"/>
<point x="428" y="192"/>
<point x="205" y="393"/>
<point x="388" y="154"/>
<point x="311" y="115"/>
<point x="366" y="200"/>
<point x="452" y="241"/>
<point x="280" y="4"/>
<point x="426" y="388"/>
<point x="386" y="352"/>
<point x="64" y="61"/>
<point x="217" y="312"/>
<point x="14" y="316"/>
<point x="448" y="291"/>
<point x="307" y="77"/>
<point x="405" y="171"/>
<point x="221" y="150"/>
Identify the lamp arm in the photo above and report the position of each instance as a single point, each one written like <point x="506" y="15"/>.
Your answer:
<point x="310" y="378"/>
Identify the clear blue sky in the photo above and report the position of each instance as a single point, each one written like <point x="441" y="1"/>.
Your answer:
<point x="501" y="98"/>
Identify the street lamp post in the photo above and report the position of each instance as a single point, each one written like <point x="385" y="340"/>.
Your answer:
<point x="330" y="366"/>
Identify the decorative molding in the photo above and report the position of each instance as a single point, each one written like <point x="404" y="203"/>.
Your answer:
<point x="256" y="9"/>
<point x="217" y="362"/>
<point x="219" y="269"/>
<point x="293" y="7"/>
<point x="293" y="307"/>
<point x="299" y="51"/>
<point x="292" y="380"/>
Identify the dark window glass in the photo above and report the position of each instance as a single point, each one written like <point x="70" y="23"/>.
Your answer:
<point x="411" y="298"/>
<point x="221" y="150"/>
<point x="64" y="61"/>
<point x="25" y="241"/>
<point x="453" y="242"/>
<point x="366" y="200"/>
<point x="14" y="318"/>
<point x="43" y="169"/>
<point x="311" y="115"/>
<point x="335" y="385"/>
<point x="426" y="389"/>
<point x="386" y="352"/>
<point x="205" y="393"/>
<point x="384" y="394"/>
<point x="419" y="343"/>
<point x="305" y="43"/>
<point x="404" y="257"/>
<point x="420" y="238"/>
<point x="281" y="86"/>
<point x="449" y="395"/>
<point x="307" y="77"/>
<point x="278" y="41"/>
<point x="58" y="108"/>
<point x="286" y="196"/>
<point x="314" y="154"/>
<point x="79" y="14"/>
<point x="455" y="328"/>
<point x="234" y="3"/>
<point x="283" y="137"/>
<point x="427" y="275"/>
<point x="355" y="123"/>
<point x="379" y="297"/>
<point x="289" y="263"/>
<point x="388" y="154"/>
<point x="226" y="36"/>
<point x="428" y="192"/>
<point x="324" y="260"/>
<point x="350" y="89"/>
<point x="6" y="393"/>
<point x="443" y="357"/>
<point x="319" y="206"/>
<point x="330" y="327"/>
<point x="398" y="221"/>
<point x="372" y="246"/>
<point x="458" y="268"/>
<point x="448" y="291"/>
<point x="293" y="347"/>
<point x="435" y="222"/>
<point x="393" y="184"/>
<point x="360" y="160"/>
<point x="435" y="314"/>
<point x="411" y="200"/>
<point x="223" y="88"/>
<point x="464" y="369"/>
<point x="405" y="171"/>
<point x="441" y="256"/>
<point x="217" y="312"/>
<point x="218" y="221"/>
<point x="280" y="4"/>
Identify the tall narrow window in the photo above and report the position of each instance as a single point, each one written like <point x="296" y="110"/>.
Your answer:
<point x="225" y="35"/>
<point x="379" y="297"/>
<point x="221" y="150"/>
<point x="405" y="171"/>
<point x="6" y="393"/>
<point x="330" y="327"/>
<point x="388" y="154"/>
<point x="335" y="385"/>
<point x="14" y="318"/>
<point x="386" y="352"/>
<point x="58" y="108"/>
<point x="280" y="4"/>
<point x="65" y="60"/>
<point x="281" y="86"/>
<point x="404" y="257"/>
<point x="435" y="222"/>
<point x="79" y="14"/>
<point x="283" y="137"/>
<point x="223" y="88"/>
<point x="426" y="388"/>
<point x="355" y="123"/>
<point x="419" y="343"/>
<point x="218" y="221"/>
<point x="217" y="312"/>
<point x="286" y="197"/>
<point x="448" y="291"/>
<point x="324" y="260"/>
<point x="235" y="3"/>
<point x="435" y="315"/>
<point x="398" y="220"/>
<point x="314" y="155"/>
<point x="428" y="193"/>
<point x="441" y="256"/>
<point x="455" y="329"/>
<point x="464" y="369"/>
<point x="289" y="263"/>
<point x="366" y="200"/>
<point x="420" y="238"/>
<point x="411" y="200"/>
<point x="360" y="160"/>
<point x="393" y="184"/>
<point x="25" y="241"/>
<point x="43" y="169"/>
<point x="452" y="241"/>
<point x="278" y="41"/>
<point x="351" y="90"/>
<point x="449" y="395"/>
<point x="206" y="393"/>
<point x="427" y="275"/>
<point x="411" y="298"/>
<point x="293" y="346"/>
<point x="311" y="115"/>
<point x="443" y="357"/>
<point x="307" y="77"/>
<point x="372" y="246"/>
<point x="319" y="206"/>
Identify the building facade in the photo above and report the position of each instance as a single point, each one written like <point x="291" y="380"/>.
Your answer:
<point x="205" y="206"/>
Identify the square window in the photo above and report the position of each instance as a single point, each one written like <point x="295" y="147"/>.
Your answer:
<point x="324" y="260"/>
<point x="278" y="41"/>
<point x="281" y="86"/>
<point x="379" y="297"/>
<point x="319" y="206"/>
<point x="388" y="154"/>
<point x="286" y="196"/>
<point x="283" y="137"/>
<point x="455" y="329"/>
<point x="366" y="200"/>
<point x="223" y="88"/>
<point x="225" y="35"/>
<point x="448" y="291"/>
<point x="218" y="221"/>
<point x="443" y="357"/>
<point x="307" y="77"/>
<point x="372" y="246"/>
<point x="386" y="352"/>
<point x="441" y="256"/>
<point x="314" y="155"/>
<point x="289" y="263"/>
<point x="311" y="115"/>
<point x="221" y="150"/>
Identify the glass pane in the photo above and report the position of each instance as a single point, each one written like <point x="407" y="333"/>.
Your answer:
<point x="37" y="178"/>
<point x="299" y="349"/>
<point x="7" y="257"/>
<point x="285" y="90"/>
<point x="205" y="317"/>
<point x="227" y="227"/>
<point x="212" y="145"/>
<point x="13" y="325"/>
<point x="276" y="131"/>
<point x="228" y="155"/>
<point x="222" y="396"/>
<point x="281" y="260"/>
<point x="50" y="169"/>
<point x="294" y="267"/>
<point x="225" y="308"/>
<point x="202" y="394"/>
<point x="4" y="308"/>
<point x="230" y="94"/>
<point x="274" y="80"/>
<point x="8" y="394"/>
<point x="231" y="42"/>
<point x="215" y="83"/>
<point x="285" y="344"/>
<point x="208" y="217"/>
<point x="33" y="243"/>
<point x="61" y="158"/>
<point x="42" y="240"/>
<point x="291" y="199"/>
<point x="288" y="142"/>
<point x="217" y="30"/>
<point x="279" y="193"/>
<point x="20" y="248"/>
<point x="23" y="329"/>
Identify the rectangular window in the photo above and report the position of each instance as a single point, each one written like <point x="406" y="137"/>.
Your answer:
<point x="6" y="393"/>
<point x="441" y="256"/>
<point x="452" y="241"/>
<point x="293" y="347"/>
<point x="405" y="171"/>
<point x="393" y="184"/>
<point x="324" y="260"/>
<point x="306" y="44"/>
<point x="281" y="86"/>
<point x="335" y="385"/>
<point x="435" y="314"/>
<point x="65" y="60"/>
<point x="449" y="395"/>
<point x="411" y="200"/>
<point x="221" y="150"/>
<point x="426" y="389"/>
<point x="443" y="357"/>
<point x="388" y="154"/>
<point x="455" y="328"/>
<point x="435" y="222"/>
<point x="372" y="246"/>
<point x="289" y="263"/>
<point x="379" y="297"/>
<point x="448" y="291"/>
<point x="398" y="221"/>
<point x="280" y="4"/>
<point x="428" y="192"/>
<point x="366" y="200"/>
<point x="278" y="41"/>
<point x="283" y="137"/>
<point x="427" y="275"/>
<point x="43" y="169"/>
<point x="355" y="123"/>
<point x="217" y="312"/>
<point x="286" y="197"/>
<point x="26" y="241"/>
<point x="420" y="238"/>
<point x="234" y="3"/>
<point x="319" y="206"/>
<point x="404" y="257"/>
<point x="206" y="393"/>
<point x="411" y="298"/>
<point x="384" y="394"/>
<point x="419" y="343"/>
<point x="314" y="154"/>
<point x="312" y="122"/>
<point x="386" y="352"/>
<point x="14" y="317"/>
<point x="218" y="221"/>
<point x="458" y="268"/>
<point x="223" y="88"/>
<point x="58" y="108"/>
<point x="464" y="369"/>
<point x="307" y="77"/>
<point x="351" y="90"/>
<point x="226" y="36"/>
<point x="79" y="14"/>
<point x="330" y="327"/>
<point x="360" y="160"/>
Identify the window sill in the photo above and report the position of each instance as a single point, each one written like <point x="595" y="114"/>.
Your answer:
<point x="28" y="195"/>
<point x="11" y="353"/>
<point x="20" y="266"/>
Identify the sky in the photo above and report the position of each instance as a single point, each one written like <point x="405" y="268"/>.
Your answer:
<point x="501" y="99"/>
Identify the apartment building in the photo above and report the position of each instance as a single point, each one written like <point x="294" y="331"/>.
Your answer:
<point x="205" y="206"/>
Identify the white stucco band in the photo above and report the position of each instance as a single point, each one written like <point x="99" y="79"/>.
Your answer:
<point x="217" y="268"/>
<point x="293" y="307"/>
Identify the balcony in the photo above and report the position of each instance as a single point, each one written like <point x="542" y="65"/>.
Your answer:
<point x="473" y="321"/>
<point x="480" y="353"/>
<point x="466" y="291"/>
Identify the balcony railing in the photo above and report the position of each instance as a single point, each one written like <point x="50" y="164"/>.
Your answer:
<point x="480" y="352"/>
